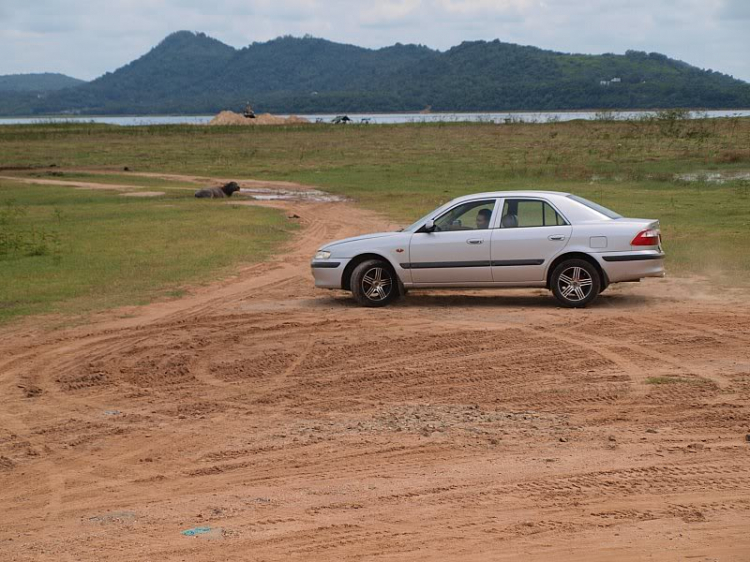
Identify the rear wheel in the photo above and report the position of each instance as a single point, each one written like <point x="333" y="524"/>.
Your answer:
<point x="373" y="283"/>
<point x="575" y="283"/>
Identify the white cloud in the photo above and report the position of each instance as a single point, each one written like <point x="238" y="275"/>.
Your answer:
<point x="390" y="12"/>
<point x="478" y="7"/>
<point x="85" y="38"/>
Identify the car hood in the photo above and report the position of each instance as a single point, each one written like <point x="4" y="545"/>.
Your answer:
<point x="359" y="238"/>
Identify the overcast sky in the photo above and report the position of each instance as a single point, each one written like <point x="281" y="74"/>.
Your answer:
<point x="85" y="38"/>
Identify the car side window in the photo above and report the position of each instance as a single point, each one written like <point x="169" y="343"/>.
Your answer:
<point x="552" y="217"/>
<point x="472" y="215"/>
<point x="526" y="213"/>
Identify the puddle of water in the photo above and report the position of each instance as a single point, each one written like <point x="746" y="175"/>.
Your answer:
<point x="290" y="195"/>
<point x="713" y="177"/>
<point x="206" y="532"/>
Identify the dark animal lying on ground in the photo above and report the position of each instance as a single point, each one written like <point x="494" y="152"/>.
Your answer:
<point x="218" y="192"/>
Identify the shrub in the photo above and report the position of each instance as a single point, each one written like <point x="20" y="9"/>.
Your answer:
<point x="732" y="156"/>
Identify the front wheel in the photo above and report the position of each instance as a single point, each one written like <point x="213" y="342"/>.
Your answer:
<point x="373" y="283"/>
<point x="575" y="283"/>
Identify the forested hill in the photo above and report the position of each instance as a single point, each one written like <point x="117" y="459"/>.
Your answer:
<point x="193" y="73"/>
<point x="44" y="82"/>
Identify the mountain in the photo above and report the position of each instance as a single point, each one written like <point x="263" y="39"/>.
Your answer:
<point x="193" y="73"/>
<point x="45" y="82"/>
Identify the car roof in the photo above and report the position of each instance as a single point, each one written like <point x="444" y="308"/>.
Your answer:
<point x="526" y="193"/>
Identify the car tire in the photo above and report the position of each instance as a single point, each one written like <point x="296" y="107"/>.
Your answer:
<point x="373" y="283"/>
<point x="575" y="283"/>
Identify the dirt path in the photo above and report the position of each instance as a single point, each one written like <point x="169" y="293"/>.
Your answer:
<point x="190" y="179"/>
<point x="472" y="426"/>
<point x="74" y="183"/>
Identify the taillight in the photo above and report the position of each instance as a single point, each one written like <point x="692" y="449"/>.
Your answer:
<point x="648" y="237"/>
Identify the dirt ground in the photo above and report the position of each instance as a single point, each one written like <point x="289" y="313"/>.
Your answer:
<point x="283" y="423"/>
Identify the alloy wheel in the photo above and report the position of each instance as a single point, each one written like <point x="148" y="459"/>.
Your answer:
<point x="377" y="283"/>
<point x="575" y="284"/>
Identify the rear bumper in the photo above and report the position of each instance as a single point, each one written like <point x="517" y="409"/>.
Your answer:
<point x="631" y="266"/>
<point x="328" y="273"/>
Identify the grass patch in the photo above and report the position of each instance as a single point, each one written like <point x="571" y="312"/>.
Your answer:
<point x="110" y="250"/>
<point x="675" y="380"/>
<point x="453" y="156"/>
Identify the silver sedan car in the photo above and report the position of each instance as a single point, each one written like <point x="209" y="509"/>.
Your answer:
<point x="560" y="241"/>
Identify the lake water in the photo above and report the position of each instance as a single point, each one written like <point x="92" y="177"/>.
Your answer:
<point x="377" y="118"/>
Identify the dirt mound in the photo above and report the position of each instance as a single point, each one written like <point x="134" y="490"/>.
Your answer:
<point x="232" y="118"/>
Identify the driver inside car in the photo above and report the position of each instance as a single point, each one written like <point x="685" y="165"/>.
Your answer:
<point x="483" y="218"/>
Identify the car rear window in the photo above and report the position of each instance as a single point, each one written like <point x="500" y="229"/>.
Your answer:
<point x="595" y="206"/>
<point x="525" y="213"/>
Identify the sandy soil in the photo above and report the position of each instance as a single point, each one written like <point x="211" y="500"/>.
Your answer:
<point x="248" y="185"/>
<point x="76" y="184"/>
<point x="289" y="423"/>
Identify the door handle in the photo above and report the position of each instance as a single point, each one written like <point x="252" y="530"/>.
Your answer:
<point x="557" y="237"/>
<point x="474" y="241"/>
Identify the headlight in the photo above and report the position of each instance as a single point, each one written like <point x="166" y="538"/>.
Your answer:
<point x="322" y="255"/>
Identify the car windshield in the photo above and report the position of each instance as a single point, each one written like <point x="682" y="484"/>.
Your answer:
<point x="415" y="225"/>
<point x="596" y="207"/>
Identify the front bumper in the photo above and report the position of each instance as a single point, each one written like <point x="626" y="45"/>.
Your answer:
<point x="328" y="273"/>
<point x="632" y="266"/>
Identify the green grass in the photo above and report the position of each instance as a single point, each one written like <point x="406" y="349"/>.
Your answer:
<point x="105" y="250"/>
<point x="399" y="170"/>
<point x="657" y="381"/>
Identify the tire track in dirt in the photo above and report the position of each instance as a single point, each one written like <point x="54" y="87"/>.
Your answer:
<point x="604" y="345"/>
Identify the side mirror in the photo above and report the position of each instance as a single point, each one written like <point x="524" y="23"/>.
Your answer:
<point x="429" y="226"/>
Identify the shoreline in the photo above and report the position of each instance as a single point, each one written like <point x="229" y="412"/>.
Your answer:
<point x="401" y="113"/>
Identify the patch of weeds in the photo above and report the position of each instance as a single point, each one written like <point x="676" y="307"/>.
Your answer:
<point x="176" y="293"/>
<point x="742" y="189"/>
<point x="732" y="156"/>
<point x="674" y="380"/>
<point x="20" y="240"/>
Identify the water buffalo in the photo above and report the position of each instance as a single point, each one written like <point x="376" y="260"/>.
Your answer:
<point x="218" y="192"/>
